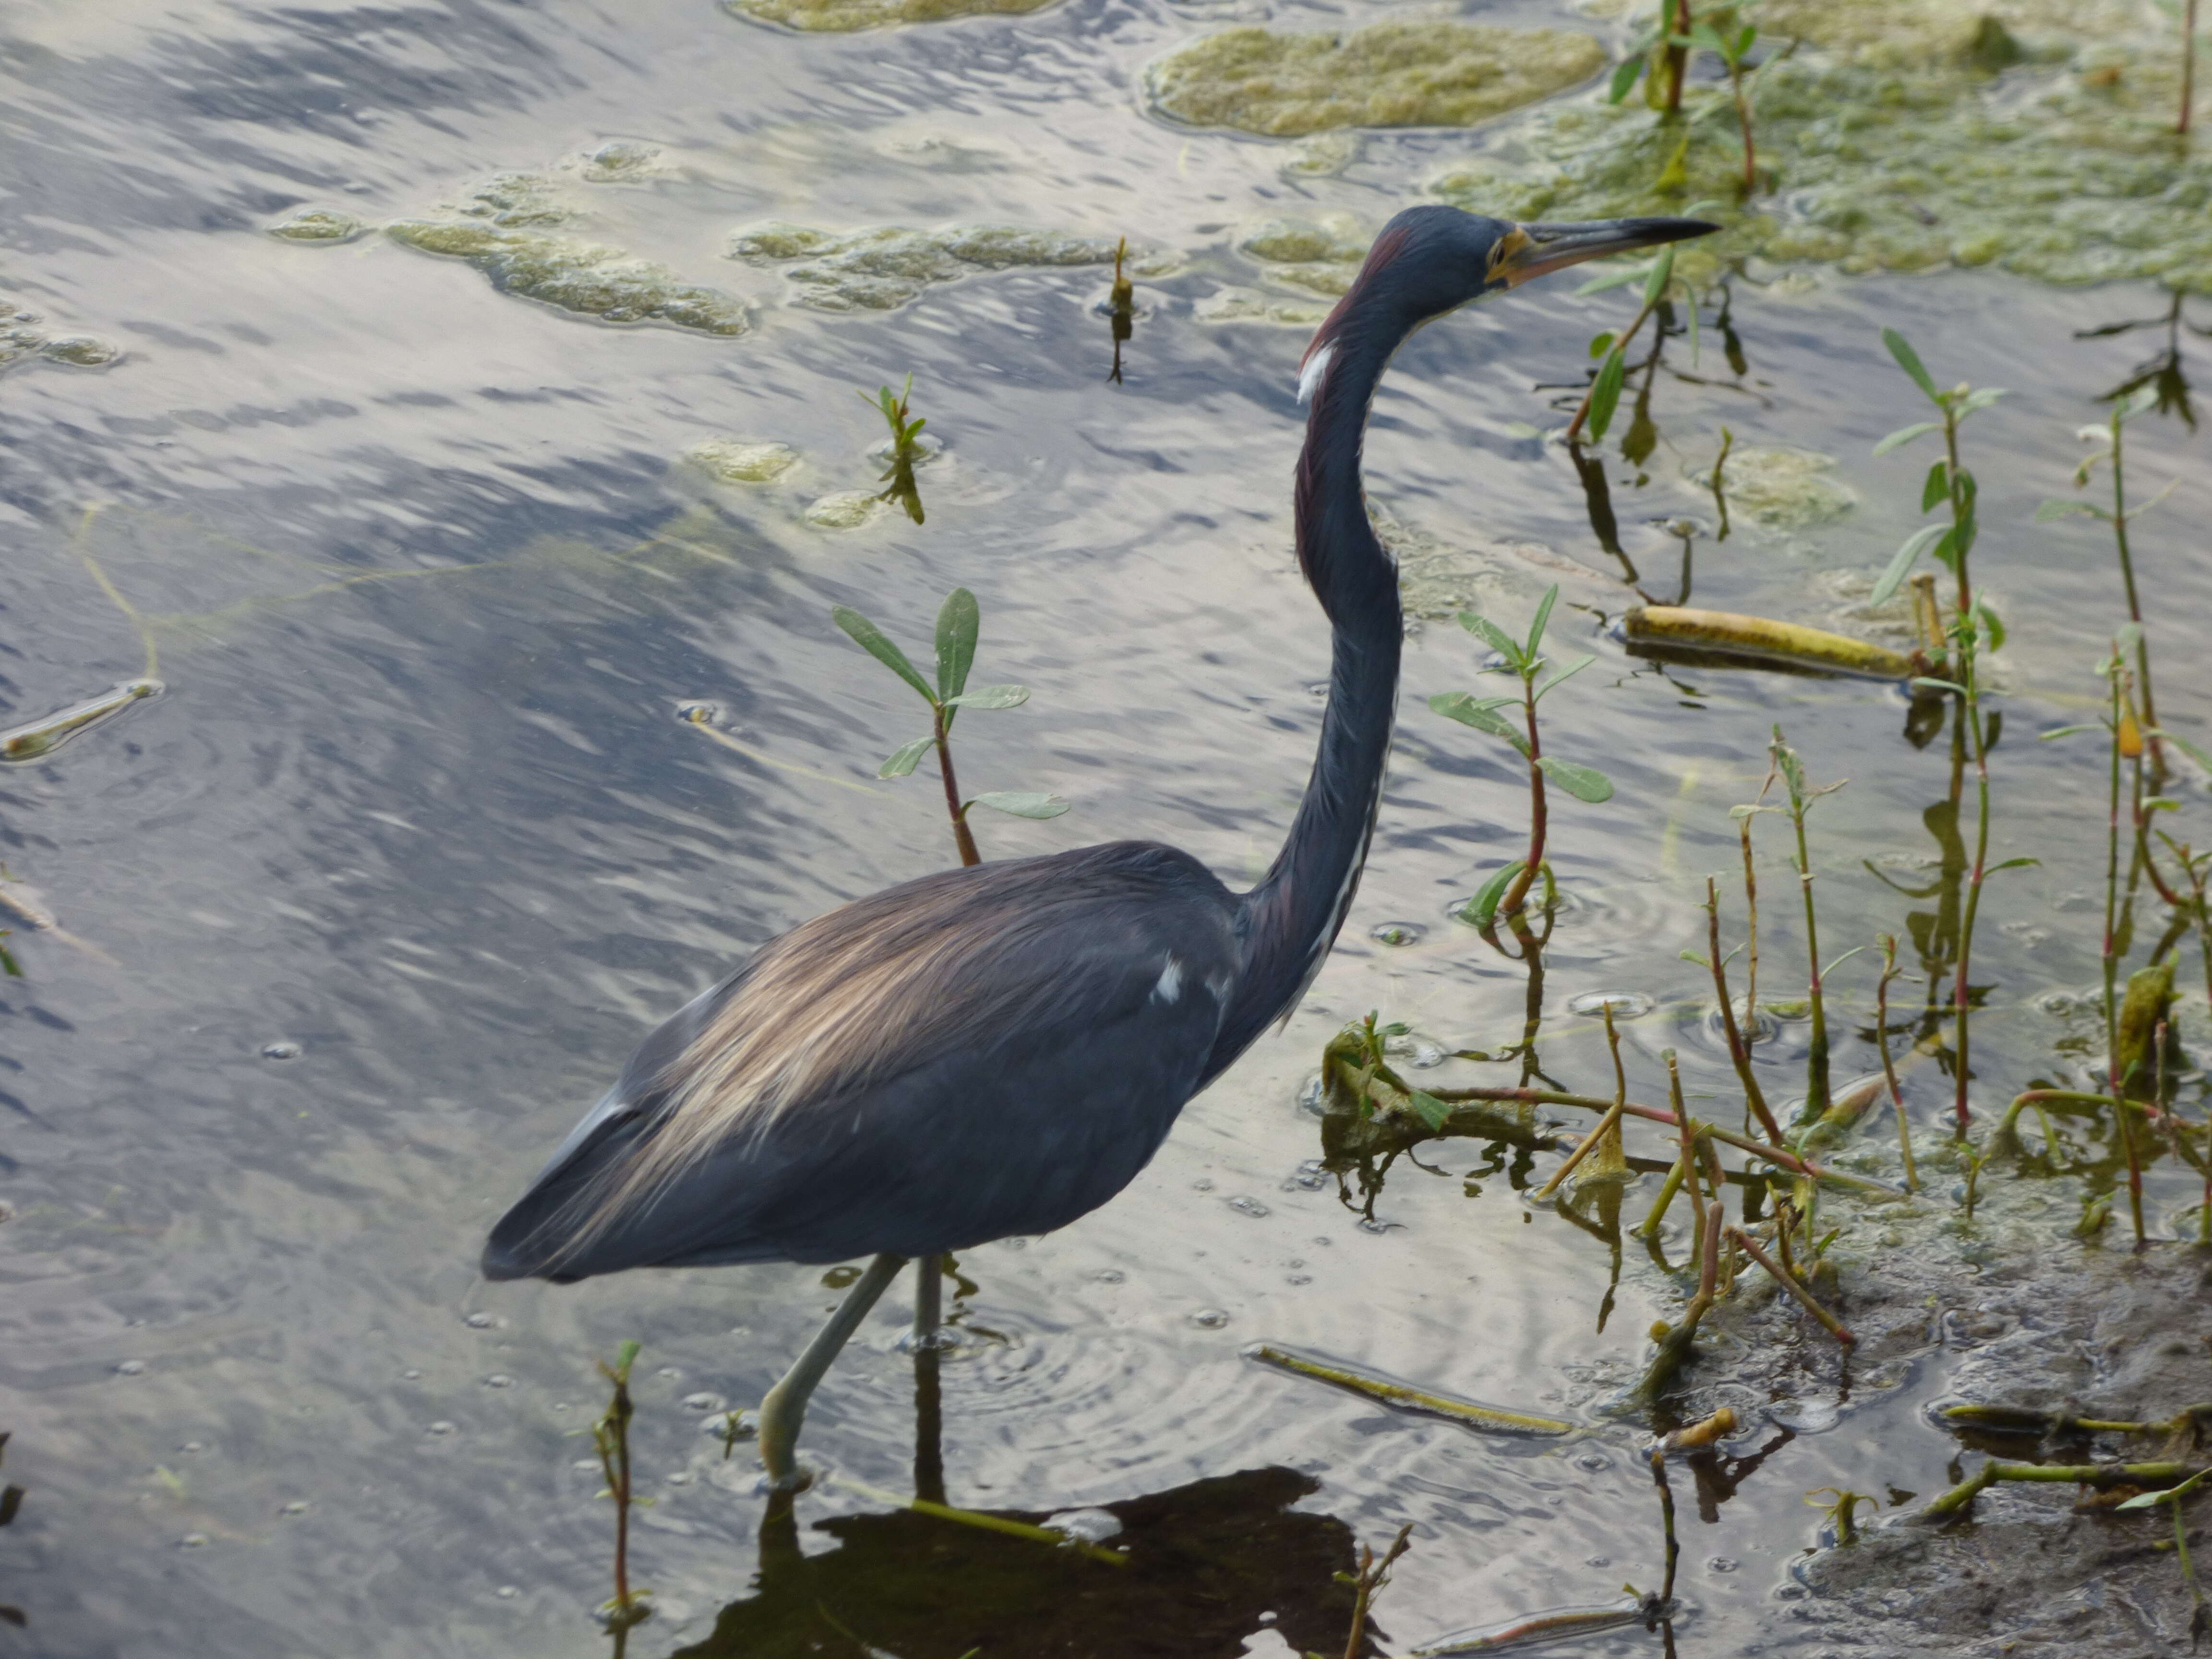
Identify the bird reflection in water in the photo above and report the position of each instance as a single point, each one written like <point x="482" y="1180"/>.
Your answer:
<point x="1209" y="1565"/>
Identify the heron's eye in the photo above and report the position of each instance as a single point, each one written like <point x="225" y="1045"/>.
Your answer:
<point x="1503" y="251"/>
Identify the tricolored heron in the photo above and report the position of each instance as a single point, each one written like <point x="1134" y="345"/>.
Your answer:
<point x="998" y="1050"/>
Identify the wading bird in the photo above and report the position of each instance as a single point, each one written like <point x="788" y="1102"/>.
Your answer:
<point x="996" y="1050"/>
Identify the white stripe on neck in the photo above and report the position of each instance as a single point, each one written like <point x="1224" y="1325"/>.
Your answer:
<point x="1310" y="378"/>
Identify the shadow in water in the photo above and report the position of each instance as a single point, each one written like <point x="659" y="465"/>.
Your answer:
<point x="1205" y="1563"/>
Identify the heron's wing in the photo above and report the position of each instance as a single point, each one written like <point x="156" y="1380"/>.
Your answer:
<point x="997" y="1049"/>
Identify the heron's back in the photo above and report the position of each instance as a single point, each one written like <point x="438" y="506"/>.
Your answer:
<point x="979" y="1054"/>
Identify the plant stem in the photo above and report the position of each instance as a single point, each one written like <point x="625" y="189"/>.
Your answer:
<point x="1816" y="1057"/>
<point x="1888" y="1070"/>
<point x="1678" y="57"/>
<point x="2128" y="580"/>
<point x="2188" y="64"/>
<point x="961" y="834"/>
<point x="1751" y="906"/>
<point x="2110" y="953"/>
<point x="1607" y="1125"/>
<point x="1828" y="1320"/>
<point x="1739" y="1051"/>
<point x="1372" y="1576"/>
<point x="2083" y="1474"/>
<point x="1582" y="414"/>
<point x="1743" y="118"/>
<point x="1518" y="894"/>
<point x="1961" y="995"/>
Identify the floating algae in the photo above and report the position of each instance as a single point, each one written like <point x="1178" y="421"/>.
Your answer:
<point x="503" y="231"/>
<point x="1407" y="1395"/>
<point x="1407" y="74"/>
<point x="882" y="268"/>
<point x="844" y="17"/>
<point x="23" y="335"/>
<point x="1778" y="488"/>
<point x="621" y="162"/>
<point x="732" y="461"/>
<point x="847" y="509"/>
<point x="322" y="225"/>
<point x="1891" y="145"/>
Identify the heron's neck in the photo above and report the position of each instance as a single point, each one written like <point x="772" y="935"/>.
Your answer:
<point x="1291" y="919"/>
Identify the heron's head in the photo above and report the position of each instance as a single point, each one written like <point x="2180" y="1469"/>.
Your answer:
<point x="1430" y="260"/>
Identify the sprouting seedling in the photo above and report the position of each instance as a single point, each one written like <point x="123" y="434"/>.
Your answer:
<point x="1948" y="484"/>
<point x="630" y="1605"/>
<point x="1604" y="394"/>
<point x="2109" y="438"/>
<point x="958" y="621"/>
<point x="1973" y="1161"/>
<point x="1121" y="308"/>
<point x="1801" y="797"/>
<point x="2200" y="1617"/>
<point x="1504" y="893"/>
<point x="906" y="447"/>
<point x="1840" y="1507"/>
<point x="1367" y="1583"/>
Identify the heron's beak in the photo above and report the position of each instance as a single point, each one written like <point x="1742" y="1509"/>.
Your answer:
<point x="1536" y="250"/>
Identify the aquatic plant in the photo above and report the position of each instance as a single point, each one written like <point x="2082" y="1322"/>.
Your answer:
<point x="960" y="621"/>
<point x="848" y="16"/>
<point x="1368" y="1583"/>
<point x="1731" y="50"/>
<point x="1889" y="972"/>
<point x="1604" y="394"/>
<point x="630" y="1605"/>
<point x="1121" y="308"/>
<point x="2110" y="434"/>
<point x="1841" y="1509"/>
<point x="1801" y="796"/>
<point x="2200" y="1612"/>
<point x="906" y="450"/>
<point x="1506" y="891"/>
<point x="882" y="267"/>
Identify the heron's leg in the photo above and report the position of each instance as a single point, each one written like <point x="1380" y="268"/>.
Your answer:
<point x="785" y="1408"/>
<point x="928" y="1299"/>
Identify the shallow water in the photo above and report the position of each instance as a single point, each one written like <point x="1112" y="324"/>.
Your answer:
<point x="428" y="580"/>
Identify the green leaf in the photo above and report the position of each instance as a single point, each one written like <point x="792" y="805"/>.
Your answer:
<point x="1906" y="435"/>
<point x="1612" y="279"/>
<point x="1697" y="956"/>
<point x="1938" y="485"/>
<point x="1430" y="1110"/>
<point x="1600" y="344"/>
<point x="1662" y="272"/>
<point x="1901" y="561"/>
<point x="1568" y="672"/>
<point x="1744" y="38"/>
<point x="1543" y="614"/>
<point x="2144" y="1500"/>
<point x="2161" y="804"/>
<point x="1020" y="804"/>
<point x="1483" y="906"/>
<point x="1992" y="624"/>
<point x="1925" y="683"/>
<point x="1583" y="782"/>
<point x="1605" y="395"/>
<point x="1492" y="636"/>
<point x="1909" y="360"/>
<point x="2142" y="400"/>
<point x="2013" y="864"/>
<point x="1481" y="713"/>
<point x="2052" y="510"/>
<point x="958" y="623"/>
<point x="991" y="697"/>
<point x="1981" y="400"/>
<point x="1624" y="77"/>
<point x="870" y="638"/>
<point x="905" y="758"/>
<point x="1945" y="552"/>
<point x="2069" y="731"/>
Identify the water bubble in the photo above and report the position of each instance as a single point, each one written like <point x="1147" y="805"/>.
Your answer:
<point x="670" y="1374"/>
<point x="440" y="1429"/>
<point x="191" y="1446"/>
<point x="1323" y="1240"/>
<point x="1599" y="1561"/>
<point x="1201" y="1185"/>
<point x="1594" y="1461"/>
<point x="704" y="1403"/>
<point x="506" y="1592"/>
<point x="1626" y="1004"/>
<point x="499" y="1380"/>
<point x="411" y="1376"/>
<point x="297" y="1506"/>
<point x="281" y="1049"/>
<point x="191" y="1541"/>
<point x="1212" y="1319"/>
<point x="1309" y="1177"/>
<point x="679" y="1477"/>
<point x="1397" y="932"/>
<point x="1298" y="1278"/>
<point x="1251" y="1206"/>
<point x="1086" y="1526"/>
<point x="698" y="711"/>
<point x="1720" y="1563"/>
<point x="481" y="1322"/>
<point x="1805" y="1417"/>
<point x="1110" y="1275"/>
<point x="592" y="1463"/>
<point x="131" y="1368"/>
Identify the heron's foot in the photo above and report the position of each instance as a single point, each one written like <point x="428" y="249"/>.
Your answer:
<point x="792" y="1480"/>
<point x="943" y="1339"/>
